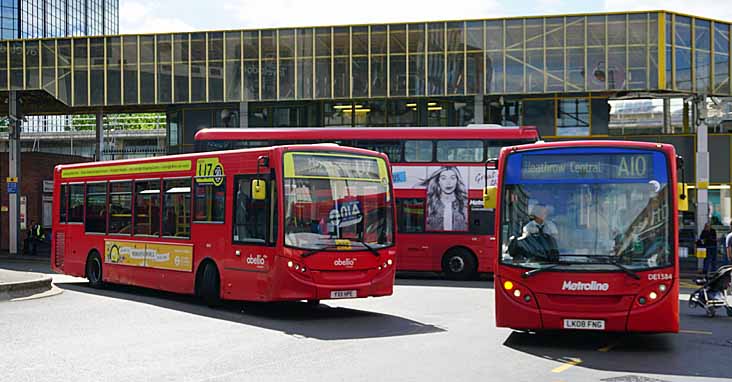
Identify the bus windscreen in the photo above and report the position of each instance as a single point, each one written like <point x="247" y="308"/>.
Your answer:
<point x="335" y="201"/>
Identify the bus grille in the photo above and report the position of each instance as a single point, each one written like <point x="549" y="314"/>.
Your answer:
<point x="60" y="248"/>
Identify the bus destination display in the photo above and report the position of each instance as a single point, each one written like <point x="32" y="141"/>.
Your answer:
<point x="594" y="166"/>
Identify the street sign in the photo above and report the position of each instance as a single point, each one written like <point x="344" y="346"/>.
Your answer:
<point x="12" y="188"/>
<point x="47" y="186"/>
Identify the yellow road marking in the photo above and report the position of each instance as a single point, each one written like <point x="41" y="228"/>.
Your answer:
<point x="704" y="332"/>
<point x="607" y="348"/>
<point x="567" y="364"/>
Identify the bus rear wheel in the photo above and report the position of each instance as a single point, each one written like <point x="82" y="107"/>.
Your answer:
<point x="210" y="285"/>
<point x="459" y="264"/>
<point x="94" y="270"/>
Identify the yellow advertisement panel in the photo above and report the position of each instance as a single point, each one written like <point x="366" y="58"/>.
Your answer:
<point x="126" y="169"/>
<point x="209" y="170"/>
<point x="169" y="256"/>
<point x="174" y="257"/>
<point x="124" y="252"/>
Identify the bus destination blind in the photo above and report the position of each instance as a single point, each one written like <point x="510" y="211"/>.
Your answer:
<point x="594" y="166"/>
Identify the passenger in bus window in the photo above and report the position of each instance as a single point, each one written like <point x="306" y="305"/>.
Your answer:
<point x="447" y="200"/>
<point x="540" y="222"/>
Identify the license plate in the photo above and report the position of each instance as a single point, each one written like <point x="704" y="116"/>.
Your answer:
<point x="584" y="324"/>
<point x="343" y="294"/>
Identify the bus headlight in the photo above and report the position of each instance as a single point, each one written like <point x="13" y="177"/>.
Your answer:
<point x="662" y="288"/>
<point x="653" y="295"/>
<point x="289" y="264"/>
<point x="507" y="285"/>
<point x="389" y="262"/>
<point x="517" y="293"/>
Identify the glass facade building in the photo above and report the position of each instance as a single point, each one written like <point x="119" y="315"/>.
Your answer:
<point x="593" y="54"/>
<point x="55" y="18"/>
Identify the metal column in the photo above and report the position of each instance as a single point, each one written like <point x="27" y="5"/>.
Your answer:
<point x="478" y="109"/>
<point x="100" y="134"/>
<point x="667" y="116"/>
<point x="15" y="128"/>
<point x="244" y="114"/>
<point x="702" y="163"/>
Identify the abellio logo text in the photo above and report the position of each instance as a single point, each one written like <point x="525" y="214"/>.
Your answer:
<point x="259" y="260"/>
<point x="347" y="262"/>
<point x="590" y="286"/>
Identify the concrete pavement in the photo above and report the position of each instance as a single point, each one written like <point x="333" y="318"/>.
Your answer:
<point x="18" y="284"/>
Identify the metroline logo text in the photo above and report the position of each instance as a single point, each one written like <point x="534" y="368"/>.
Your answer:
<point x="590" y="286"/>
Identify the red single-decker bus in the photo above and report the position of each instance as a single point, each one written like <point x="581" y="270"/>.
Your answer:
<point x="588" y="237"/>
<point x="301" y="222"/>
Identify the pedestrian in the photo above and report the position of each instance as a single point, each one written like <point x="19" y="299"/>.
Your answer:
<point x="708" y="240"/>
<point x="35" y="237"/>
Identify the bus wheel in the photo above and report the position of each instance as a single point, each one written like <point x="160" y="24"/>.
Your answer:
<point x="313" y="303"/>
<point x="711" y="312"/>
<point x="210" y="285"/>
<point x="94" y="270"/>
<point x="459" y="264"/>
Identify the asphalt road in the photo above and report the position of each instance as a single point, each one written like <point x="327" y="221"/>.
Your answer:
<point x="429" y="330"/>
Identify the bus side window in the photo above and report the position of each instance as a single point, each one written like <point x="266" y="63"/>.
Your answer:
<point x="177" y="208"/>
<point x="76" y="203"/>
<point x="64" y="197"/>
<point x="392" y="149"/>
<point x="210" y="200"/>
<point x="418" y="151"/>
<point x="96" y="207"/>
<point x="411" y="215"/>
<point x="481" y="219"/>
<point x="120" y="207"/>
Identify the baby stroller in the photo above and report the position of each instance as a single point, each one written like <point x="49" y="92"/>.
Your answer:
<point x="713" y="291"/>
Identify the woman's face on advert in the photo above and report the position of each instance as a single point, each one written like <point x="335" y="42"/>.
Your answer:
<point x="448" y="181"/>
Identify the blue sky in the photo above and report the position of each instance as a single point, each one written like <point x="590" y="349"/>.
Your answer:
<point x="139" y="16"/>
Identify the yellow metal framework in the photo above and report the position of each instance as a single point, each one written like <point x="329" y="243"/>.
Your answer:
<point x="529" y="66"/>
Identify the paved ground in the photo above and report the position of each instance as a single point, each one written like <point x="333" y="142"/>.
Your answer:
<point x="430" y="330"/>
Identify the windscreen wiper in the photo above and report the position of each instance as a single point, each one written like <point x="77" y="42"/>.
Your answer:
<point x="370" y="248"/>
<point x="622" y="267"/>
<point x="314" y="251"/>
<point x="532" y="272"/>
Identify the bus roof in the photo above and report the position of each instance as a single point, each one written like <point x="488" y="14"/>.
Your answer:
<point x="592" y="144"/>
<point x="303" y="147"/>
<point x="368" y="133"/>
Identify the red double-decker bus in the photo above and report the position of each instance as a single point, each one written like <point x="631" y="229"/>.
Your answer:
<point x="301" y="222"/>
<point x="588" y="237"/>
<point x="438" y="176"/>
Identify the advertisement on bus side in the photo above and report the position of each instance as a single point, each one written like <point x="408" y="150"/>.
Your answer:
<point x="174" y="257"/>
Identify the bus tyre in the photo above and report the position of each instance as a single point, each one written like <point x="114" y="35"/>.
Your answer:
<point x="313" y="303"/>
<point x="94" y="270"/>
<point x="210" y="285"/>
<point x="711" y="312"/>
<point x="459" y="264"/>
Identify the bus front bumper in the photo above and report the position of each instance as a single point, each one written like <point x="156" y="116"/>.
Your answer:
<point x="325" y="285"/>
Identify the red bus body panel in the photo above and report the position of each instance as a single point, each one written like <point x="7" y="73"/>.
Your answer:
<point x="549" y="304"/>
<point x="416" y="251"/>
<point x="267" y="279"/>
